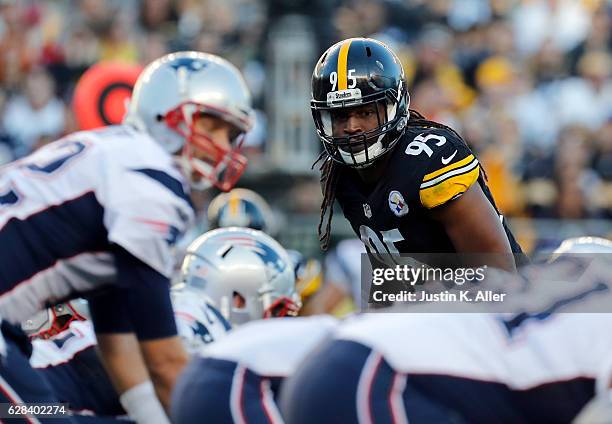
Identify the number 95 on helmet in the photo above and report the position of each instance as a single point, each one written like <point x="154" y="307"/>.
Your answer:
<point x="173" y="91"/>
<point x="359" y="78"/>
<point x="244" y="272"/>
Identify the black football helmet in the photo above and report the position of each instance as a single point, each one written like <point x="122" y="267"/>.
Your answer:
<point x="352" y="73"/>
<point x="241" y="208"/>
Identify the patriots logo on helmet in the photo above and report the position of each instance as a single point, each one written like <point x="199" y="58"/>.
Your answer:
<point x="397" y="203"/>
<point x="269" y="257"/>
<point x="266" y="253"/>
<point x="189" y="63"/>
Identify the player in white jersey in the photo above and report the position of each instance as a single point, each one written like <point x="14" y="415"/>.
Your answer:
<point x="244" y="272"/>
<point x="96" y="214"/>
<point x="342" y="291"/>
<point x="69" y="363"/>
<point x="245" y="208"/>
<point x="248" y="276"/>
<point x="541" y="364"/>
<point x="236" y="379"/>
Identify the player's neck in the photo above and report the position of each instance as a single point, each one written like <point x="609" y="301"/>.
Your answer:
<point x="373" y="173"/>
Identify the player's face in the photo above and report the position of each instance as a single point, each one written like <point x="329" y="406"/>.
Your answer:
<point x="220" y="132"/>
<point x="355" y="120"/>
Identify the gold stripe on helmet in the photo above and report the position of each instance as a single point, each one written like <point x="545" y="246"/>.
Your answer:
<point x="234" y="201"/>
<point x="342" y="65"/>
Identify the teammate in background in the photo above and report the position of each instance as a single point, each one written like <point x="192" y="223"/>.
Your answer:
<point x="245" y="273"/>
<point x="241" y="207"/>
<point x="64" y="346"/>
<point x="245" y="208"/>
<point x="342" y="292"/>
<point x="405" y="184"/>
<point x="96" y="214"/>
<point x="55" y="320"/>
<point x="249" y="276"/>
<point x="237" y="379"/>
<point x="541" y="364"/>
<point x="308" y="279"/>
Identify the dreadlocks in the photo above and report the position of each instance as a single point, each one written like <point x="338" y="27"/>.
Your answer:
<point x="330" y="172"/>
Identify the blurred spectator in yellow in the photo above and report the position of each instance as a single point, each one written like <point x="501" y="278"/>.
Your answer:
<point x="499" y="159"/>
<point x="434" y="60"/>
<point x="117" y="44"/>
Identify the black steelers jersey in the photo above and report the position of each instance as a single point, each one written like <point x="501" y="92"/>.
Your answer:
<point x="428" y="167"/>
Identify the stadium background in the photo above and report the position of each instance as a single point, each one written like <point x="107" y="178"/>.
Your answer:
<point x="526" y="82"/>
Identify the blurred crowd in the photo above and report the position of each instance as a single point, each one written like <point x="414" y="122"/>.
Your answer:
<point x="528" y="83"/>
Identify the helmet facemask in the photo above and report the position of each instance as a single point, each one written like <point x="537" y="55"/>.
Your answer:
<point x="362" y="149"/>
<point x="53" y="321"/>
<point x="214" y="164"/>
<point x="276" y="305"/>
<point x="240" y="309"/>
<point x="244" y="272"/>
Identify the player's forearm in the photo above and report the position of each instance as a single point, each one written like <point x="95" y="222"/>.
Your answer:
<point x="474" y="228"/>
<point x="126" y="368"/>
<point x="121" y="357"/>
<point x="146" y="296"/>
<point x="165" y="360"/>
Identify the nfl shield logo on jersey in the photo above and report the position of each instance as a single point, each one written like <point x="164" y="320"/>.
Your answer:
<point x="397" y="203"/>
<point x="367" y="211"/>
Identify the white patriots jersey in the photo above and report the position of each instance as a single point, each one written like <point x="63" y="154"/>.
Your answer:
<point x="76" y="338"/>
<point x="272" y="347"/>
<point x="552" y="336"/>
<point x="63" y="206"/>
<point x="197" y="321"/>
<point x="198" y="324"/>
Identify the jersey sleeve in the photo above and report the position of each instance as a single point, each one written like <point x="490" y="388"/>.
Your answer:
<point x="146" y="208"/>
<point x="449" y="172"/>
<point x="139" y="302"/>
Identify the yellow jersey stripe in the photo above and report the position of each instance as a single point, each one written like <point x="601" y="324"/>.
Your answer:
<point x="342" y="65"/>
<point x="450" y="167"/>
<point x="448" y="189"/>
<point x="457" y="171"/>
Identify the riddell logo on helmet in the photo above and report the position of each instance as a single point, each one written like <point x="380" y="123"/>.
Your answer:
<point x="350" y="94"/>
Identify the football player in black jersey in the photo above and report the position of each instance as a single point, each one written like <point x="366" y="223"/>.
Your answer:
<point x="406" y="184"/>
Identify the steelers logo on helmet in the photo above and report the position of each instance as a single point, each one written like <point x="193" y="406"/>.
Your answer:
<point x="359" y="101"/>
<point x="101" y="94"/>
<point x="241" y="208"/>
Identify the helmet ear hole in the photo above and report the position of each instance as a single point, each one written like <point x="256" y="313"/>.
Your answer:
<point x="238" y="301"/>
